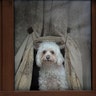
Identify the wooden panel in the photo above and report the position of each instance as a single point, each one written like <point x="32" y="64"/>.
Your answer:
<point x="66" y="93"/>
<point x="0" y="45"/>
<point x="7" y="46"/>
<point x="94" y="45"/>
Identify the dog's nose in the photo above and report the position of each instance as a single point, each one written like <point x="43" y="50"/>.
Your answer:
<point x="48" y="57"/>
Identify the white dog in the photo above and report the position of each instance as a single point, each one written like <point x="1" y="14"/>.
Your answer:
<point x="52" y="73"/>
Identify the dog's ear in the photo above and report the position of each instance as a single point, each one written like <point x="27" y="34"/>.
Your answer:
<point x="60" y="59"/>
<point x="38" y="61"/>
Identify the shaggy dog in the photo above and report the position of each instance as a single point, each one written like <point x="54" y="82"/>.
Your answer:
<point x="52" y="73"/>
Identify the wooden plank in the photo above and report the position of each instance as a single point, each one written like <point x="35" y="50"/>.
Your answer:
<point x="7" y="46"/>
<point x="51" y="93"/>
<point x="0" y="45"/>
<point x="93" y="44"/>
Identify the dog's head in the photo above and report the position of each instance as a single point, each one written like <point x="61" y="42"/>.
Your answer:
<point x="49" y="53"/>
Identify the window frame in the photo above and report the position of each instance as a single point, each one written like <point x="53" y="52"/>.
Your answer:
<point x="7" y="56"/>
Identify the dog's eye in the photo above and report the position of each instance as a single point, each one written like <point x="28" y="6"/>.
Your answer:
<point x="44" y="51"/>
<point x="52" y="52"/>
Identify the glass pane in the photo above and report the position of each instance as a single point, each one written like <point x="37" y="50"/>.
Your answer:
<point x="52" y="45"/>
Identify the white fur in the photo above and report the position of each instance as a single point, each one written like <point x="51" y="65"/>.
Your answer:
<point x="52" y="73"/>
